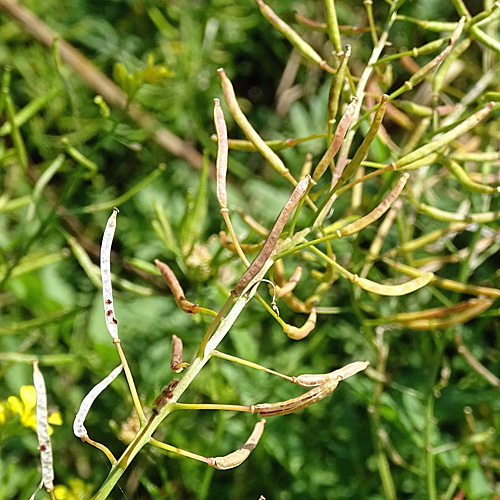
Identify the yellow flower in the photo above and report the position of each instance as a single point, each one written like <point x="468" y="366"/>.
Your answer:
<point x="79" y="490"/>
<point x="5" y="412"/>
<point x="26" y="408"/>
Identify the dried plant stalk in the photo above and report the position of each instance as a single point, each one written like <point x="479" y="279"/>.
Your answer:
<point x="78" y="428"/>
<point x="295" y="404"/>
<point x="313" y="380"/>
<point x="296" y="333"/>
<point x="239" y="456"/>
<point x="273" y="236"/>
<point x="176" y="363"/>
<point x="42" y="430"/>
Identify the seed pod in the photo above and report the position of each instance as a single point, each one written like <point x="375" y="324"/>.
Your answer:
<point x="299" y="333"/>
<point x="446" y="138"/>
<point x="293" y="37"/>
<point x="312" y="380"/>
<point x="378" y="211"/>
<point x="107" y="289"/>
<point x="239" y="456"/>
<point x="78" y="428"/>
<point x="222" y="152"/>
<point x="393" y="290"/>
<point x="42" y="429"/>
<point x="273" y="236"/>
<point x="338" y="137"/>
<point x="295" y="404"/>
<point x="176" y="363"/>
<point x="176" y="288"/>
<point x="166" y="394"/>
<point x="291" y="283"/>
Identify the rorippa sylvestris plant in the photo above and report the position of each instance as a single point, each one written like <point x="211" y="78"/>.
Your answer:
<point x="448" y="148"/>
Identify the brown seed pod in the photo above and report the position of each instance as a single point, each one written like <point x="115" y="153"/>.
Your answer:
<point x="273" y="236"/>
<point x="176" y="362"/>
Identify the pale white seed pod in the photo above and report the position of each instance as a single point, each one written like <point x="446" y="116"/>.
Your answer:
<point x="312" y="380"/>
<point x="42" y="429"/>
<point x="239" y="456"/>
<point x="107" y="290"/>
<point x="39" y="487"/>
<point x="78" y="427"/>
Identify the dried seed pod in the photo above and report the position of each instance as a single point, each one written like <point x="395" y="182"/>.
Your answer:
<point x="78" y="428"/>
<point x="176" y="363"/>
<point x="338" y="137"/>
<point x="295" y="404"/>
<point x="312" y="380"/>
<point x="222" y="153"/>
<point x="42" y="429"/>
<point x="299" y="333"/>
<point x="273" y="236"/>
<point x="107" y="290"/>
<point x="239" y="456"/>
<point x="166" y="394"/>
<point x="176" y="288"/>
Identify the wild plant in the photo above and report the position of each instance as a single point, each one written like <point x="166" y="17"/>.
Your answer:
<point x="417" y="194"/>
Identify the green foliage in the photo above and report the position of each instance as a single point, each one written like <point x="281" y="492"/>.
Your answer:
<point x="424" y="422"/>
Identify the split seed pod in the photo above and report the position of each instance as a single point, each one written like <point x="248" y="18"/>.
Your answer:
<point x="107" y="290"/>
<point x="239" y="456"/>
<point x="295" y="404"/>
<point x="311" y="380"/>
<point x="78" y="428"/>
<point x="42" y="429"/>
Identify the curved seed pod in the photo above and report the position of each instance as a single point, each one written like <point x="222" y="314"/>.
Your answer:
<point x="222" y="152"/>
<point x="291" y="283"/>
<point x="176" y="289"/>
<point x="78" y="428"/>
<point x="393" y="290"/>
<point x="42" y="429"/>
<point x="312" y="380"/>
<point x="273" y="236"/>
<point x="295" y="404"/>
<point x="378" y="211"/>
<point x="107" y="290"/>
<point x="239" y="456"/>
<point x="299" y="333"/>
<point x="464" y="179"/>
<point x="176" y="363"/>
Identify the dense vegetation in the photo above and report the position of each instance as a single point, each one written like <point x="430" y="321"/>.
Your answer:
<point x="423" y="420"/>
